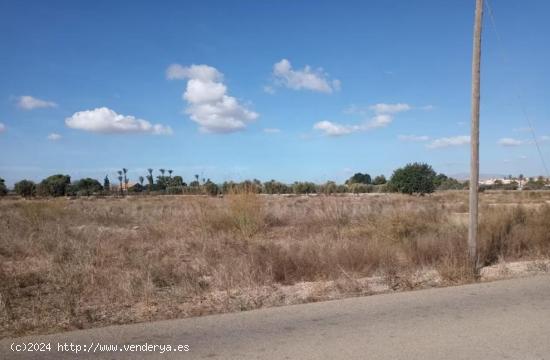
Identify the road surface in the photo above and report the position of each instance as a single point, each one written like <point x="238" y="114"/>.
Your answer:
<point x="500" y="320"/>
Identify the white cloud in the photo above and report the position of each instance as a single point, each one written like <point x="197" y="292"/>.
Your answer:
<point x="383" y="116"/>
<point x="379" y="120"/>
<point x="29" y="103"/>
<point x="510" y="142"/>
<point x="449" y="141"/>
<point x="334" y="129"/>
<point x="307" y="78"/>
<point x="272" y="130"/>
<point x="200" y="72"/>
<point x="54" y="137"/>
<point x="413" y="138"/>
<point x="545" y="138"/>
<point x="208" y="102"/>
<point x="427" y="107"/>
<point x="2" y="127"/>
<point x="390" y="108"/>
<point x="105" y="121"/>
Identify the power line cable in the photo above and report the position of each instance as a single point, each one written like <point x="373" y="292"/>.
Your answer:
<point x="518" y="96"/>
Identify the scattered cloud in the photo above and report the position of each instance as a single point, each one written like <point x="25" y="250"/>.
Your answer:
<point x="306" y="78"/>
<point x="105" y="121"/>
<point x="510" y="142"/>
<point x="272" y="130"/>
<point x="200" y="72"/>
<point x="269" y="89"/>
<point x="413" y="138"/>
<point x="449" y="141"/>
<point x="27" y="102"/>
<point x="54" y="137"/>
<point x="461" y="123"/>
<point x="544" y="138"/>
<point x="382" y="108"/>
<point x="334" y="129"/>
<point x="379" y="120"/>
<point x="383" y="116"/>
<point x="522" y="157"/>
<point x="2" y="128"/>
<point x="208" y="103"/>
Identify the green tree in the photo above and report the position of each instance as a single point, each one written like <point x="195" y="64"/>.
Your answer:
<point x="440" y="179"/>
<point x="379" y="180"/>
<point x="25" y="188"/>
<point x="87" y="187"/>
<point x="211" y="188"/>
<point x="55" y="185"/>
<point x="126" y="180"/>
<point x="414" y="178"/>
<point x="150" y="179"/>
<point x="359" y="178"/>
<point x="3" y="188"/>
<point x="141" y="180"/>
<point x="120" y="178"/>
<point x="106" y="184"/>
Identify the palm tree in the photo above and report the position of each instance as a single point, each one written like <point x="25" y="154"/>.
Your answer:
<point x="126" y="180"/>
<point x="120" y="180"/>
<point x="170" y="171"/>
<point x="141" y="179"/>
<point x="162" y="171"/>
<point x="150" y="179"/>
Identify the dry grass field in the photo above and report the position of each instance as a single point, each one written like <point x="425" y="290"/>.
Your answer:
<point x="81" y="263"/>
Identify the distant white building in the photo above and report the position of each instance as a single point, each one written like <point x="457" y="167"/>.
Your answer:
<point x="500" y="181"/>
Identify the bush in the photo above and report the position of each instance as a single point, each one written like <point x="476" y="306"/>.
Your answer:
<point x="328" y="188"/>
<point x="451" y="184"/>
<point x="55" y="185"/>
<point x="379" y="180"/>
<point x="359" y="178"/>
<point x="85" y="187"/>
<point x="25" y="188"/>
<point x="276" y="187"/>
<point x="3" y="188"/>
<point x="211" y="188"/>
<point x="414" y="178"/>
<point x="304" y="188"/>
<point x="360" y="188"/>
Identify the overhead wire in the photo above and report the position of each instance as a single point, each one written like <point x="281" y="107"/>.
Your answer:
<point x="518" y="96"/>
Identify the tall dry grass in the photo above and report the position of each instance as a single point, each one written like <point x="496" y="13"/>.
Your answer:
<point x="89" y="262"/>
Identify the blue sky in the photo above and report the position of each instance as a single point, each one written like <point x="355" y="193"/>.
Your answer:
<point x="291" y="90"/>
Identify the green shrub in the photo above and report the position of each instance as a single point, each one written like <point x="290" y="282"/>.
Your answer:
<point x="25" y="188"/>
<point x="414" y="178"/>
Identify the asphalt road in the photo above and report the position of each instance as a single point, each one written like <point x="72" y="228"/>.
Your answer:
<point x="500" y="320"/>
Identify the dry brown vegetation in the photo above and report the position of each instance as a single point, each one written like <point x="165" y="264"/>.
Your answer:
<point x="90" y="262"/>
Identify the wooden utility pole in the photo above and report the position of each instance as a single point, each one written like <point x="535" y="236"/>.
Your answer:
<point x="474" y="137"/>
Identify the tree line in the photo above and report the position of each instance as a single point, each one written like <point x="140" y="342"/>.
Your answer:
<point x="414" y="178"/>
